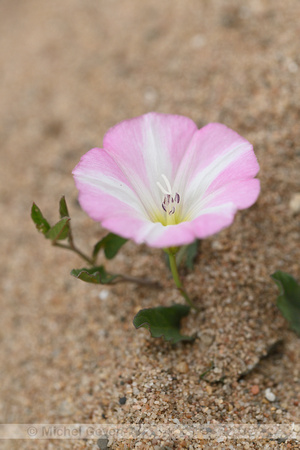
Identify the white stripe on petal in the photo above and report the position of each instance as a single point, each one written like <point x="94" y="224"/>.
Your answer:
<point x="115" y="188"/>
<point x="140" y="190"/>
<point x="155" y="153"/>
<point x="149" y="232"/>
<point x="200" y="182"/>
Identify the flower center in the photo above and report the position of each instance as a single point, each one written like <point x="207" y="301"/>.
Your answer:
<point x="170" y="201"/>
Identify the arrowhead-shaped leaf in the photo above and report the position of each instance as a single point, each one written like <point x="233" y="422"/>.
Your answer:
<point x="63" y="209"/>
<point x="41" y="223"/>
<point x="163" y="321"/>
<point x="289" y="299"/>
<point x="63" y="212"/>
<point x="59" y="231"/>
<point x="97" y="275"/>
<point x="111" y="245"/>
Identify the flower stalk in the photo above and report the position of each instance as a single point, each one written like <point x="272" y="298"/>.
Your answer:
<point x="175" y="274"/>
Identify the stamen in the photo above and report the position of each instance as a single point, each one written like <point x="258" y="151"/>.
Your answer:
<point x="169" y="201"/>
<point x="167" y="183"/>
<point x="177" y="198"/>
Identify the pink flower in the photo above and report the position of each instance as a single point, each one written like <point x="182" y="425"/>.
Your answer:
<point x="160" y="180"/>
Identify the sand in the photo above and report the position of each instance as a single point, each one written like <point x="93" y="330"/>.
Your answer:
<point x="69" y="351"/>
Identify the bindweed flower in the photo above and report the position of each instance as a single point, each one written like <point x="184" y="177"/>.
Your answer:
<point x="159" y="180"/>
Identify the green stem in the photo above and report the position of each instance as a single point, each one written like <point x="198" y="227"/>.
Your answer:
<point x="75" y="250"/>
<point x="178" y="283"/>
<point x="123" y="278"/>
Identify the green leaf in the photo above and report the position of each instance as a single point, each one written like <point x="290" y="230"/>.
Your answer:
<point x="111" y="244"/>
<point x="97" y="275"/>
<point x="59" y="231"/>
<point x="41" y="223"/>
<point x="191" y="253"/>
<point x="63" y="212"/>
<point x="163" y="321"/>
<point x="63" y="209"/>
<point x="288" y="300"/>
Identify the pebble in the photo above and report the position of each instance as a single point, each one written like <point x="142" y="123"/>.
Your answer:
<point x="103" y="294"/>
<point x="295" y="203"/>
<point x="216" y="245"/>
<point x="135" y="391"/>
<point x="102" y="443"/>
<point x="209" y="389"/>
<point x="182" y="367"/>
<point x="136" y="407"/>
<point x="122" y="400"/>
<point x="270" y="396"/>
<point x="255" y="389"/>
<point x="207" y="339"/>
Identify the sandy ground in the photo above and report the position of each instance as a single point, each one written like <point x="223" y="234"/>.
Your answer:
<point x="69" y="352"/>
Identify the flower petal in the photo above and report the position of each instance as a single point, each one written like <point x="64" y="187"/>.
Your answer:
<point x="173" y="236"/>
<point x="242" y="193"/>
<point x="103" y="188"/>
<point x="211" y="221"/>
<point x="215" y="157"/>
<point x="214" y="219"/>
<point x="148" y="146"/>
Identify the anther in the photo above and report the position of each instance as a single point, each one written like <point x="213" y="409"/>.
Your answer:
<point x="168" y="196"/>
<point x="177" y="198"/>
